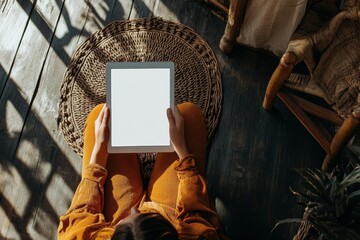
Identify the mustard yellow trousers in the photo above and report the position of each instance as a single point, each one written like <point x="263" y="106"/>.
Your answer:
<point x="124" y="187"/>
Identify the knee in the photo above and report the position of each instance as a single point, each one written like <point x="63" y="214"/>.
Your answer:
<point x="190" y="109"/>
<point x="95" y="112"/>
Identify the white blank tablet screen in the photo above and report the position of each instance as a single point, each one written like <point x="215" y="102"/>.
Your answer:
<point x="139" y="99"/>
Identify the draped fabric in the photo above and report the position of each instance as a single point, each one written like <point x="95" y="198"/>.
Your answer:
<point x="269" y="24"/>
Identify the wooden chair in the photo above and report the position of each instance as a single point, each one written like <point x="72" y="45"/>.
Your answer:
<point x="268" y="23"/>
<point x="315" y="49"/>
<point x="236" y="15"/>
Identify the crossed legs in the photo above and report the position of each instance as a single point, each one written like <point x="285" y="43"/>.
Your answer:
<point x="124" y="186"/>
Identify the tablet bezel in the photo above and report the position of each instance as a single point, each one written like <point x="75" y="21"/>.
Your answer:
<point x="138" y="65"/>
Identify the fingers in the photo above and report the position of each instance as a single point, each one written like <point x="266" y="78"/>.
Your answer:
<point x="103" y="118"/>
<point x="101" y="114"/>
<point x="170" y="117"/>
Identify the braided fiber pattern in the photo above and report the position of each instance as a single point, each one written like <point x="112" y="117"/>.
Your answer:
<point x="197" y="74"/>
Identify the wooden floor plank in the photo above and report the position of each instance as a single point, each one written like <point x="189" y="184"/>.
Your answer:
<point x="15" y="103"/>
<point x="253" y="151"/>
<point x="250" y="165"/>
<point x="250" y="158"/>
<point x="58" y="168"/>
<point x="11" y="34"/>
<point x="142" y="9"/>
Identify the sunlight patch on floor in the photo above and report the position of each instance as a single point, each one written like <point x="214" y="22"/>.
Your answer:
<point x="11" y="116"/>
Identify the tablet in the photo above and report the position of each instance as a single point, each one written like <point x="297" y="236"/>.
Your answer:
<point x="138" y="94"/>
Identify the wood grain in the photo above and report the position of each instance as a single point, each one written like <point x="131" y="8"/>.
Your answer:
<point x="250" y="159"/>
<point x="306" y="121"/>
<point x="236" y="16"/>
<point x="16" y="100"/>
<point x="253" y="153"/>
<point x="52" y="168"/>
<point x="318" y="111"/>
<point x="11" y="12"/>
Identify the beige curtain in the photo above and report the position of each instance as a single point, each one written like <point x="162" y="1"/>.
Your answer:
<point x="269" y="24"/>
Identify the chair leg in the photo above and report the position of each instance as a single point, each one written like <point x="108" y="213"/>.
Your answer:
<point x="278" y="78"/>
<point x="341" y="138"/>
<point x="235" y="18"/>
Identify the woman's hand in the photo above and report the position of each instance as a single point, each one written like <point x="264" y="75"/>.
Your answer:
<point x="176" y="130"/>
<point x="100" y="154"/>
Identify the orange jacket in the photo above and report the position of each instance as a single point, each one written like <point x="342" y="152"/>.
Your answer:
<point x="193" y="216"/>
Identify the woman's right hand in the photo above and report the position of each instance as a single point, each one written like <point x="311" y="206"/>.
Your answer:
<point x="100" y="154"/>
<point x="177" y="132"/>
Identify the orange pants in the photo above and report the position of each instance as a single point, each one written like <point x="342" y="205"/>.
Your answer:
<point x="124" y="186"/>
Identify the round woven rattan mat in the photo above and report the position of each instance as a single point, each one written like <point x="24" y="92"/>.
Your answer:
<point x="197" y="75"/>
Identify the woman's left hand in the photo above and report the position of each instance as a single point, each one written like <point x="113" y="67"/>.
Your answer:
<point x="100" y="154"/>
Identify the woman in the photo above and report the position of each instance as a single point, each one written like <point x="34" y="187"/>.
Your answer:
<point x="175" y="204"/>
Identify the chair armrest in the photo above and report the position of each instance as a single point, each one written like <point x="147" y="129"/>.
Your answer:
<point x="343" y="135"/>
<point x="288" y="59"/>
<point x="281" y="73"/>
<point x="356" y="113"/>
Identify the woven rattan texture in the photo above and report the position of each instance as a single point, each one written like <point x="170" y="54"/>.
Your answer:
<point x="197" y="75"/>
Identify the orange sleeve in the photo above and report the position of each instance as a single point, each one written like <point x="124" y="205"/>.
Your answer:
<point x="193" y="207"/>
<point x="84" y="219"/>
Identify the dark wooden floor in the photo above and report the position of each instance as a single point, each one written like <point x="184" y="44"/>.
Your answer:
<point x="250" y="159"/>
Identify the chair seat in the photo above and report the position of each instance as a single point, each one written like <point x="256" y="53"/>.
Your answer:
<point x="338" y="70"/>
<point x="304" y="83"/>
<point x="332" y="56"/>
